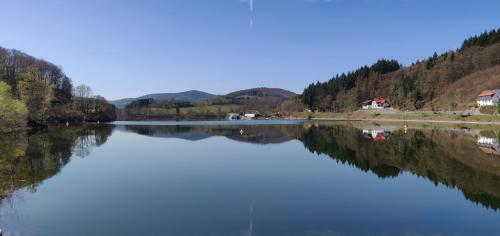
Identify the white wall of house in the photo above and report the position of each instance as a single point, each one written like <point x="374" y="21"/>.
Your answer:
<point x="486" y="140"/>
<point x="493" y="101"/>
<point x="376" y="106"/>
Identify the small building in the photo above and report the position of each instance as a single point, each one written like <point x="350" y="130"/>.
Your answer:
<point x="366" y="104"/>
<point x="233" y="116"/>
<point x="252" y="114"/>
<point x="379" y="103"/>
<point x="488" y="98"/>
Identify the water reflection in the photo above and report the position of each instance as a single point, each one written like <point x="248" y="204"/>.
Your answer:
<point x="488" y="145"/>
<point x="466" y="159"/>
<point x="26" y="160"/>
<point x="456" y="157"/>
<point x="258" y="134"/>
<point x="448" y="157"/>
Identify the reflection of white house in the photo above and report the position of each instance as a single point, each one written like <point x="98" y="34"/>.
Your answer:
<point x="488" y="145"/>
<point x="488" y="98"/>
<point x="251" y="114"/>
<point x="376" y="134"/>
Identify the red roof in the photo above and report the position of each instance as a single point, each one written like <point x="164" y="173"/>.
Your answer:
<point x="379" y="138"/>
<point x="379" y="100"/>
<point x="488" y="93"/>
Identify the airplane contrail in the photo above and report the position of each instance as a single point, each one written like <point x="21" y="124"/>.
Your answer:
<point x="250" y="6"/>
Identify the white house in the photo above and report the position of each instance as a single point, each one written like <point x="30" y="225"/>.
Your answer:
<point x="379" y="103"/>
<point x="488" y="98"/>
<point x="366" y="104"/>
<point x="251" y="114"/>
<point x="233" y="116"/>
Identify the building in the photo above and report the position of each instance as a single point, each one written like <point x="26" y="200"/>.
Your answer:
<point x="233" y="116"/>
<point x="488" y="98"/>
<point x="366" y="104"/>
<point x="252" y="114"/>
<point x="379" y="103"/>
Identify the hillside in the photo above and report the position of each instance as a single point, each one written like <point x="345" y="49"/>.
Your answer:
<point x="188" y="96"/>
<point x="450" y="81"/>
<point x="263" y="92"/>
<point x="262" y="99"/>
<point x="38" y="93"/>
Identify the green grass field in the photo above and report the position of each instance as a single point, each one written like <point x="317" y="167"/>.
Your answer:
<point x="197" y="110"/>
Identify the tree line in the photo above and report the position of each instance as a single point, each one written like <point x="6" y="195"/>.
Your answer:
<point x="426" y="84"/>
<point x="320" y="96"/>
<point x="35" y="92"/>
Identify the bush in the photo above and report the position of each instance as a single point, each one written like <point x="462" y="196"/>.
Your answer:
<point x="488" y="110"/>
<point x="13" y="113"/>
<point x="62" y="114"/>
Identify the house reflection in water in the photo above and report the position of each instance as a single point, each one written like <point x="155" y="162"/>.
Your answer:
<point x="378" y="135"/>
<point x="488" y="145"/>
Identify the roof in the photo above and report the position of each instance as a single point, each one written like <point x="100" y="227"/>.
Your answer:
<point x="379" y="138"/>
<point x="488" y="93"/>
<point x="379" y="100"/>
<point x="367" y="102"/>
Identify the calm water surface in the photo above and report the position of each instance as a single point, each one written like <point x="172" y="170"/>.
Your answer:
<point x="251" y="178"/>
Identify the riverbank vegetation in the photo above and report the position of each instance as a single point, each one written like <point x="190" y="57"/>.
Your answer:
<point x="36" y="93"/>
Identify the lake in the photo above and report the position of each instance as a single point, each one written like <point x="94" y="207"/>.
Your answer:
<point x="251" y="178"/>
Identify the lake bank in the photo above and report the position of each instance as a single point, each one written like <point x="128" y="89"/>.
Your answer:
<point x="421" y="118"/>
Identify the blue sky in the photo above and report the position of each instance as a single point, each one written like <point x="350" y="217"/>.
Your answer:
<point x="129" y="48"/>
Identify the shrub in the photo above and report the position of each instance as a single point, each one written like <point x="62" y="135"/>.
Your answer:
<point x="13" y="113"/>
<point x="488" y="110"/>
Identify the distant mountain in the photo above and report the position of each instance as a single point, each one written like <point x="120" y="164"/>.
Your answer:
<point x="188" y="96"/>
<point x="263" y="92"/>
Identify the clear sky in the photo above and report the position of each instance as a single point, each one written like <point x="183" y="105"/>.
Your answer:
<point x="124" y="48"/>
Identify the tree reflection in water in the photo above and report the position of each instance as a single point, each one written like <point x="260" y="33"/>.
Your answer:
<point x="449" y="157"/>
<point x="26" y="160"/>
<point x="457" y="158"/>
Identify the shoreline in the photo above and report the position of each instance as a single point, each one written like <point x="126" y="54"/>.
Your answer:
<point x="410" y="121"/>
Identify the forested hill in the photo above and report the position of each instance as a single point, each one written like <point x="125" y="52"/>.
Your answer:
<point x="187" y="96"/>
<point x="448" y="81"/>
<point x="262" y="92"/>
<point x="37" y="92"/>
<point x="261" y="99"/>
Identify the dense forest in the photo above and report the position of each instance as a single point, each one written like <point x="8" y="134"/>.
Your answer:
<point x="447" y="81"/>
<point x="36" y="93"/>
